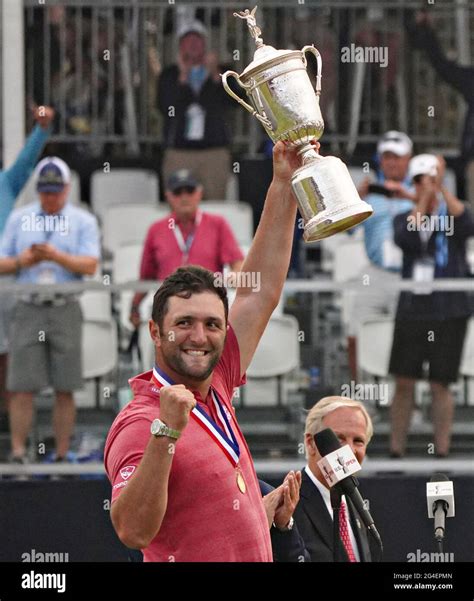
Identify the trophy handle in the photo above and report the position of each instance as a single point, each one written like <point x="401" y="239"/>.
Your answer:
<point x="313" y="50"/>
<point x="264" y="120"/>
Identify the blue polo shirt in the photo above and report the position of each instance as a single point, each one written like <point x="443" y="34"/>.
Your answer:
<point x="13" y="179"/>
<point x="379" y="227"/>
<point x="73" y="231"/>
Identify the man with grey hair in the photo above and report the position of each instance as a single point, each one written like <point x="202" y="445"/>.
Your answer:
<point x="314" y="514"/>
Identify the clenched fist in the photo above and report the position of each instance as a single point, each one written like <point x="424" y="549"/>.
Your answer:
<point x="176" y="403"/>
<point x="43" y="115"/>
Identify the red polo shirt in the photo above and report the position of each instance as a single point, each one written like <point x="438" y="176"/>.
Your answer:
<point x="207" y="517"/>
<point x="213" y="246"/>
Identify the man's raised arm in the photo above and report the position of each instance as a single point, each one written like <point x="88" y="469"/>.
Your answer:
<point x="268" y="258"/>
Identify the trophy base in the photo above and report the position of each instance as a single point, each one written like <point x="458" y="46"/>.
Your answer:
<point x="327" y="198"/>
<point x="323" y="226"/>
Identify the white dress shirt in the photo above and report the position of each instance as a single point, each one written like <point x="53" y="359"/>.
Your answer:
<point x="325" y="494"/>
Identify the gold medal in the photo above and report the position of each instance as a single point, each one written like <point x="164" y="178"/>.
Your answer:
<point x="241" y="482"/>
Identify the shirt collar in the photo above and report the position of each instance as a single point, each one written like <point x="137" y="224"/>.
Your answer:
<point x="195" y="220"/>
<point x="322" y="489"/>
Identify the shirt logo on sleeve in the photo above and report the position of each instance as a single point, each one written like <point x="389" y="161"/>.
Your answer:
<point x="127" y="471"/>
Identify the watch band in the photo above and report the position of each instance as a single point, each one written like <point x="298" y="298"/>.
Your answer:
<point x="159" y="428"/>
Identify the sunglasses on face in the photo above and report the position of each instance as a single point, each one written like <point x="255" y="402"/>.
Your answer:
<point x="184" y="190"/>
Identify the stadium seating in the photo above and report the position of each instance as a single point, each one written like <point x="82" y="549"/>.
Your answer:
<point x="123" y="186"/>
<point x="238" y="215"/>
<point x="128" y="224"/>
<point x="99" y="338"/>
<point x="466" y="369"/>
<point x="277" y="355"/>
<point x="374" y="344"/>
<point x="126" y="268"/>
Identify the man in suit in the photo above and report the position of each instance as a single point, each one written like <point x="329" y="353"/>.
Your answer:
<point x="314" y="515"/>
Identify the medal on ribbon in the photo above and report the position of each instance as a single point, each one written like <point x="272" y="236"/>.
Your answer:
<point x="220" y="432"/>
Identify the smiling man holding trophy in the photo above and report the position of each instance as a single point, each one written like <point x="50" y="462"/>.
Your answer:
<point x="283" y="100"/>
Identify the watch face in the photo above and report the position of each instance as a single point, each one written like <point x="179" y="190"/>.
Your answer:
<point x="157" y="426"/>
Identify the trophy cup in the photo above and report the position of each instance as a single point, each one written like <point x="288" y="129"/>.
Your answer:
<point x="284" y="101"/>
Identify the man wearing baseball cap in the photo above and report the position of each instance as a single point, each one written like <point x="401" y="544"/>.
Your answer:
<point x="195" y="109"/>
<point x="389" y="195"/>
<point x="187" y="236"/>
<point x="49" y="242"/>
<point x="429" y="327"/>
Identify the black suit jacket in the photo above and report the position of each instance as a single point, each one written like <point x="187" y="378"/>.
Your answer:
<point x="316" y="526"/>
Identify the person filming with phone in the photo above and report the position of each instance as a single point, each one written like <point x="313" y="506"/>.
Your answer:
<point x="389" y="195"/>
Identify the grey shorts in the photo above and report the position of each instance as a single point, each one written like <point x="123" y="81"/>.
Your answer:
<point x="7" y="300"/>
<point x="45" y="347"/>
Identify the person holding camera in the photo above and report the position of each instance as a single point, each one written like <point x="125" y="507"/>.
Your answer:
<point x="430" y="326"/>
<point x="389" y="196"/>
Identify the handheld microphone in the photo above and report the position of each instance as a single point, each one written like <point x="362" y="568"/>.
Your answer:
<point x="440" y="501"/>
<point x="337" y="465"/>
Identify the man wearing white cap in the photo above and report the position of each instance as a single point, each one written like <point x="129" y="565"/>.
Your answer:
<point x="430" y="327"/>
<point x="47" y="243"/>
<point x="194" y="106"/>
<point x="389" y="196"/>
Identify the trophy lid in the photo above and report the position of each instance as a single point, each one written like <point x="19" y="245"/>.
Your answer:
<point x="264" y="53"/>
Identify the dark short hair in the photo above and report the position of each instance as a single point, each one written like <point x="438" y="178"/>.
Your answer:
<point x="184" y="282"/>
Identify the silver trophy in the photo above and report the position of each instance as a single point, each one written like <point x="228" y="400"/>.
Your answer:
<point x="284" y="101"/>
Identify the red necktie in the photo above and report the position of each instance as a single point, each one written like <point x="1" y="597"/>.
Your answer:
<point x="344" y="532"/>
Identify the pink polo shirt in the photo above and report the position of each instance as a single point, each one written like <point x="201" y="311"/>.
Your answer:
<point x="214" y="245"/>
<point x="207" y="517"/>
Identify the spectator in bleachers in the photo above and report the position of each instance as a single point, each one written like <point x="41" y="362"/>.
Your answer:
<point x="389" y="196"/>
<point x="187" y="236"/>
<point x="49" y="242"/>
<point x="12" y="181"/>
<point x="429" y="327"/>
<point x="194" y="105"/>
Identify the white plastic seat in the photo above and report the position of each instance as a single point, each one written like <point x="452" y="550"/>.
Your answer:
<point x="123" y="186"/>
<point x="99" y="349"/>
<point x="126" y="268"/>
<point x="96" y="306"/>
<point x="278" y="351"/>
<point x="99" y="338"/>
<point x="239" y="216"/>
<point x="466" y="368"/>
<point x="350" y="259"/>
<point x="129" y="223"/>
<point x="126" y="263"/>
<point x="374" y="345"/>
<point x="277" y="355"/>
<point x="145" y="343"/>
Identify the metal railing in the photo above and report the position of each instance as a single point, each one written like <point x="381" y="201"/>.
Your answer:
<point x="99" y="61"/>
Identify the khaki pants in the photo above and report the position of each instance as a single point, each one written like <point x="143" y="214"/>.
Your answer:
<point x="211" y="167"/>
